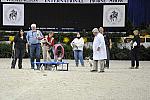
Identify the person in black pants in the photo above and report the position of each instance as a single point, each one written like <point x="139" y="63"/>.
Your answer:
<point x="20" y="43"/>
<point x="135" y="46"/>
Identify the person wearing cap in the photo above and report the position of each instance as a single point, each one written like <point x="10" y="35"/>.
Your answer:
<point x="34" y="38"/>
<point x="20" y="43"/>
<point x="77" y="45"/>
<point x="135" y="49"/>
<point x="99" y="51"/>
<point x="108" y="44"/>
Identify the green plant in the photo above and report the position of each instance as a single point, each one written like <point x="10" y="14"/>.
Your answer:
<point x="5" y="50"/>
<point x="68" y="51"/>
<point x="124" y="54"/>
<point x="144" y="53"/>
<point x="87" y="52"/>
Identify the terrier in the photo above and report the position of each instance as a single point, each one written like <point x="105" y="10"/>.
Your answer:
<point x="89" y="61"/>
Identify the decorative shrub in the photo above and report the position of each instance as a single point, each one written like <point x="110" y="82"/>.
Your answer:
<point x="116" y="53"/>
<point x="5" y="50"/>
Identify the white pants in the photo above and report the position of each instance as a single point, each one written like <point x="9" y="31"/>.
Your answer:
<point x="46" y="55"/>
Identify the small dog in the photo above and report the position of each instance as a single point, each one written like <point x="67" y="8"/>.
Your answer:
<point x="59" y="58"/>
<point x="89" y="61"/>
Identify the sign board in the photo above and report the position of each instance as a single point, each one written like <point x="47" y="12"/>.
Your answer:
<point x="66" y="1"/>
<point x="114" y="16"/>
<point x="13" y="14"/>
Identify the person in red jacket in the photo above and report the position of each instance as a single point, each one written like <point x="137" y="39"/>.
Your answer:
<point x="51" y="42"/>
<point x="47" y="45"/>
<point x="50" y="39"/>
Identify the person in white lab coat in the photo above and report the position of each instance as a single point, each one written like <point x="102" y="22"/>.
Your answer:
<point x="77" y="45"/>
<point x="99" y="51"/>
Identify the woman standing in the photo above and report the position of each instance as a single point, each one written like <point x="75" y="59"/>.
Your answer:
<point x="20" y="43"/>
<point x="135" y="46"/>
<point x="77" y="45"/>
<point x="47" y="46"/>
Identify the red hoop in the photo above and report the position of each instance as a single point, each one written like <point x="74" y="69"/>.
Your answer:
<point x="56" y="50"/>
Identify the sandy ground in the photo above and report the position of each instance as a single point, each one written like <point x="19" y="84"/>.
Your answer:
<point x="117" y="83"/>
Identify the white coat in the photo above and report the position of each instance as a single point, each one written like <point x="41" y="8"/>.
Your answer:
<point x="99" y="42"/>
<point x="78" y="44"/>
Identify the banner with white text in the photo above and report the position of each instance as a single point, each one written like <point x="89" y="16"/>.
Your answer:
<point x="66" y="1"/>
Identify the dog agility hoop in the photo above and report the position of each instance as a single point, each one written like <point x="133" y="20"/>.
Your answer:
<point x="56" y="51"/>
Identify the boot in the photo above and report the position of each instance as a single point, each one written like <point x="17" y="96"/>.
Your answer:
<point x="12" y="67"/>
<point x="82" y="65"/>
<point x="77" y="65"/>
<point x="20" y="66"/>
<point x="137" y="67"/>
<point x="132" y="67"/>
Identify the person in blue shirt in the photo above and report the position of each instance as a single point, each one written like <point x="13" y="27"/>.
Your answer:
<point x="34" y="38"/>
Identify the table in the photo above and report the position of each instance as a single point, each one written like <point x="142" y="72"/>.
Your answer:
<point x="54" y="63"/>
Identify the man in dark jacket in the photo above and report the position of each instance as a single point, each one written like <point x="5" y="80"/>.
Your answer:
<point x="135" y="46"/>
<point x="108" y="44"/>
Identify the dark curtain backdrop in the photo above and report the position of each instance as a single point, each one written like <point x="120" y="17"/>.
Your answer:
<point x="139" y="12"/>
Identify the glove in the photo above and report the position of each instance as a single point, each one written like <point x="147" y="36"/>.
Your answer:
<point x="27" y="50"/>
<point x="134" y="44"/>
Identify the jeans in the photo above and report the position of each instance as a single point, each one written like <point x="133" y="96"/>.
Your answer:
<point x="78" y="55"/>
<point x="35" y="54"/>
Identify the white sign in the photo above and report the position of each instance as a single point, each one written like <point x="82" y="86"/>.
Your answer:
<point x="13" y="14"/>
<point x="114" y="16"/>
<point x="66" y="1"/>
